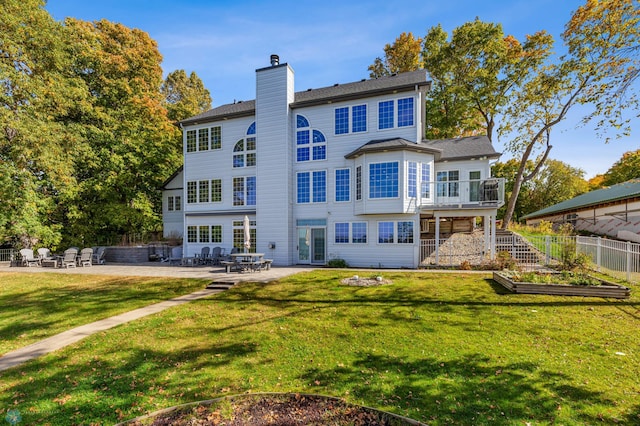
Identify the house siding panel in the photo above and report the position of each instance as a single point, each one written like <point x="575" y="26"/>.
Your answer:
<point x="373" y="254"/>
<point x="274" y="93"/>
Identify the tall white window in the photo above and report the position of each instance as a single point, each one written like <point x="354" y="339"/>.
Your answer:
<point x="244" y="151"/>
<point x="311" y="145"/>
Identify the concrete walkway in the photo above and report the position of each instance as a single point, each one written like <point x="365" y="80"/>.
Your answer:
<point x="220" y="281"/>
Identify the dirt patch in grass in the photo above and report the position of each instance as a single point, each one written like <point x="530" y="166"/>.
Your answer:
<point x="365" y="281"/>
<point x="273" y="410"/>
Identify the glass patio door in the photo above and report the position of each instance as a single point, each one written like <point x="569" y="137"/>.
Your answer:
<point x="318" y="246"/>
<point x="312" y="245"/>
<point x="474" y="186"/>
<point x="448" y="186"/>
<point x="304" y="245"/>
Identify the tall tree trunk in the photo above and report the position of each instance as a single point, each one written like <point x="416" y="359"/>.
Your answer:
<point x="521" y="178"/>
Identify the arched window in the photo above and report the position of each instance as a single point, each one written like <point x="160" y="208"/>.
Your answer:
<point x="311" y="144"/>
<point x="244" y="151"/>
<point x="301" y="121"/>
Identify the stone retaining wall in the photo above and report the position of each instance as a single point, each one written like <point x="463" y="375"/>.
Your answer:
<point x="137" y="254"/>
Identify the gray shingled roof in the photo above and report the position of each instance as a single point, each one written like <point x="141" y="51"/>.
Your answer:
<point x="238" y="109"/>
<point x="395" y="144"/>
<point x="339" y="92"/>
<point x="467" y="148"/>
<point x="364" y="88"/>
<point x="621" y="191"/>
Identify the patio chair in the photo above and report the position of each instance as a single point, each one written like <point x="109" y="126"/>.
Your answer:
<point x="175" y="258"/>
<point x="216" y="255"/>
<point x="69" y="258"/>
<point x="28" y="259"/>
<point x="98" y="255"/>
<point x="203" y="257"/>
<point x="86" y="255"/>
<point x="227" y="257"/>
<point x="46" y="259"/>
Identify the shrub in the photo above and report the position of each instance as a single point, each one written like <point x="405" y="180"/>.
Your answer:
<point x="337" y="263"/>
<point x="571" y="259"/>
<point x="566" y="229"/>
<point x="503" y="261"/>
<point x="506" y="261"/>
<point x="545" y="227"/>
<point x="465" y="265"/>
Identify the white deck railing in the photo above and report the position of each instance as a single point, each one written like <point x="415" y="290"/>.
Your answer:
<point x="462" y="193"/>
<point x="617" y="258"/>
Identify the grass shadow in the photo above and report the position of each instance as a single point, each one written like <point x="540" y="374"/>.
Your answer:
<point x="469" y="390"/>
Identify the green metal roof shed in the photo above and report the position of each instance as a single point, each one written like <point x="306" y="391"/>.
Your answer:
<point x="619" y="192"/>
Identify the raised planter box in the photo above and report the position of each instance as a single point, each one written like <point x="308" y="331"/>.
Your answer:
<point x="273" y="407"/>
<point x="606" y="289"/>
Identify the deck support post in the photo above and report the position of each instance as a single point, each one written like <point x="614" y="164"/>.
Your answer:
<point x="437" y="220"/>
<point x="493" y="236"/>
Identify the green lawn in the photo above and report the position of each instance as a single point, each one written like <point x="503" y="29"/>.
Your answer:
<point x="40" y="305"/>
<point x="440" y="348"/>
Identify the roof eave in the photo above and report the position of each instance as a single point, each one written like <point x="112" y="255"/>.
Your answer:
<point x="170" y="178"/>
<point x="579" y="207"/>
<point x="470" y="157"/>
<point x="222" y="117"/>
<point x="421" y="150"/>
<point x="360" y="95"/>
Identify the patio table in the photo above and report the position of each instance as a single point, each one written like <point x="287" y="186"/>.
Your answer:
<point x="53" y="261"/>
<point x="189" y="261"/>
<point x="248" y="262"/>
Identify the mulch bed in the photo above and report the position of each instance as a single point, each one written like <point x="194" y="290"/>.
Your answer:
<point x="273" y="410"/>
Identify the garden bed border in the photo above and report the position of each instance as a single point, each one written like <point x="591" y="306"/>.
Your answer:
<point x="607" y="289"/>
<point x="395" y="418"/>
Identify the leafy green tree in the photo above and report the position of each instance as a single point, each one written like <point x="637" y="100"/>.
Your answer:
<point x="39" y="99"/>
<point x="626" y="168"/>
<point x="556" y="182"/>
<point x="596" y="182"/>
<point x="595" y="72"/>
<point x="401" y="56"/>
<point x="131" y="148"/>
<point x="508" y="171"/>
<point x="475" y="75"/>
<point x="85" y="139"/>
<point x="184" y="96"/>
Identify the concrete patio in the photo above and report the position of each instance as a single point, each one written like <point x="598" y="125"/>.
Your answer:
<point x="158" y="269"/>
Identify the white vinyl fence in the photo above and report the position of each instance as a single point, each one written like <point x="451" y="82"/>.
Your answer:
<point x="616" y="258"/>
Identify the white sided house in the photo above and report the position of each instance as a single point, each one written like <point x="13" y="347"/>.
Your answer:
<point x="340" y="172"/>
<point x="172" y="214"/>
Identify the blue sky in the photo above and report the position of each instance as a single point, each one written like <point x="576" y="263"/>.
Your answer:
<point x="327" y="42"/>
